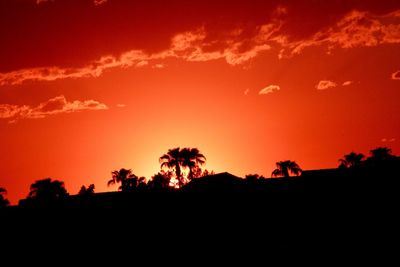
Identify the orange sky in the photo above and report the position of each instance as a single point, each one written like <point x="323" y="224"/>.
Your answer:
<point x="87" y="87"/>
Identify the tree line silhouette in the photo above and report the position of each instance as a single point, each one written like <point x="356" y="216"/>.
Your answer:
<point x="380" y="157"/>
<point x="179" y="167"/>
<point x="3" y="200"/>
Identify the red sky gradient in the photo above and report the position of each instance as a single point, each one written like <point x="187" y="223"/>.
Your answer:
<point x="87" y="87"/>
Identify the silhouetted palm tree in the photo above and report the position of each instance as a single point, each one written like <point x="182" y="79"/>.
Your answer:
<point x="177" y="158"/>
<point x="47" y="191"/>
<point x="351" y="160"/>
<point x="192" y="159"/>
<point x="133" y="183"/>
<point x="381" y="154"/>
<point x="123" y="176"/>
<point x="3" y="201"/>
<point x="382" y="160"/>
<point x="172" y="160"/>
<point x="141" y="183"/>
<point x="284" y="167"/>
<point x="198" y="172"/>
<point x="160" y="181"/>
<point x="86" y="190"/>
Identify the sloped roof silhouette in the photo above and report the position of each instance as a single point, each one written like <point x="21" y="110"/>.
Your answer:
<point x="218" y="182"/>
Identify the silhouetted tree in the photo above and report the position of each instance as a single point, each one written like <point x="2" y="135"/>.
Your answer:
<point x="160" y="181"/>
<point x="86" y="190"/>
<point x="284" y="167"/>
<point x="47" y="191"/>
<point x="207" y="173"/>
<point x="128" y="180"/>
<point x="381" y="154"/>
<point x="351" y="160"/>
<point x="177" y="158"/>
<point x="3" y="200"/>
<point x="254" y="177"/>
<point x="198" y="172"/>
<point x="383" y="160"/>
<point x="192" y="159"/>
<point x="133" y="183"/>
<point x="172" y="160"/>
<point x="141" y="183"/>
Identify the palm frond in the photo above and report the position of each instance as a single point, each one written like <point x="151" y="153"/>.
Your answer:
<point x="276" y="172"/>
<point x="296" y="171"/>
<point x="111" y="182"/>
<point x="164" y="157"/>
<point x="167" y="165"/>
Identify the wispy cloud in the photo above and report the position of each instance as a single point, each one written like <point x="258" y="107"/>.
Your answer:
<point x="38" y="2"/>
<point x="356" y="29"/>
<point x="95" y="2"/>
<point x="121" y="105"/>
<point x="192" y="46"/>
<point x="269" y="89"/>
<point x="159" y="66"/>
<point x="187" y="46"/>
<point x="53" y="106"/>
<point x="94" y="69"/>
<point x="142" y="63"/>
<point x="396" y="75"/>
<point x="347" y="83"/>
<point x="391" y="140"/>
<point x="99" y="2"/>
<point x="247" y="91"/>
<point x="325" y="84"/>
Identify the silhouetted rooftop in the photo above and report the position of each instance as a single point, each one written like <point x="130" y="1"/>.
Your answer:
<point x="220" y="182"/>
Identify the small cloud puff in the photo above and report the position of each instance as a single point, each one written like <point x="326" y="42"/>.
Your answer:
<point x="38" y="2"/>
<point x="347" y="83"/>
<point x="384" y="140"/>
<point x="99" y="2"/>
<point x="121" y="105"/>
<point x="53" y="106"/>
<point x="396" y="75"/>
<point x="159" y="66"/>
<point x="247" y="91"/>
<point x="142" y="63"/>
<point x="269" y="89"/>
<point x="325" y="84"/>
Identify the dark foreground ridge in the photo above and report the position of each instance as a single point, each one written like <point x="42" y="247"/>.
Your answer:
<point x="322" y="211"/>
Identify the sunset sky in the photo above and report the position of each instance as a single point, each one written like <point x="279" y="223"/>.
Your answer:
<point x="90" y="86"/>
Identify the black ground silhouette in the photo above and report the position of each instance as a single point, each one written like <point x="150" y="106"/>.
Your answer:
<point x="332" y="212"/>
